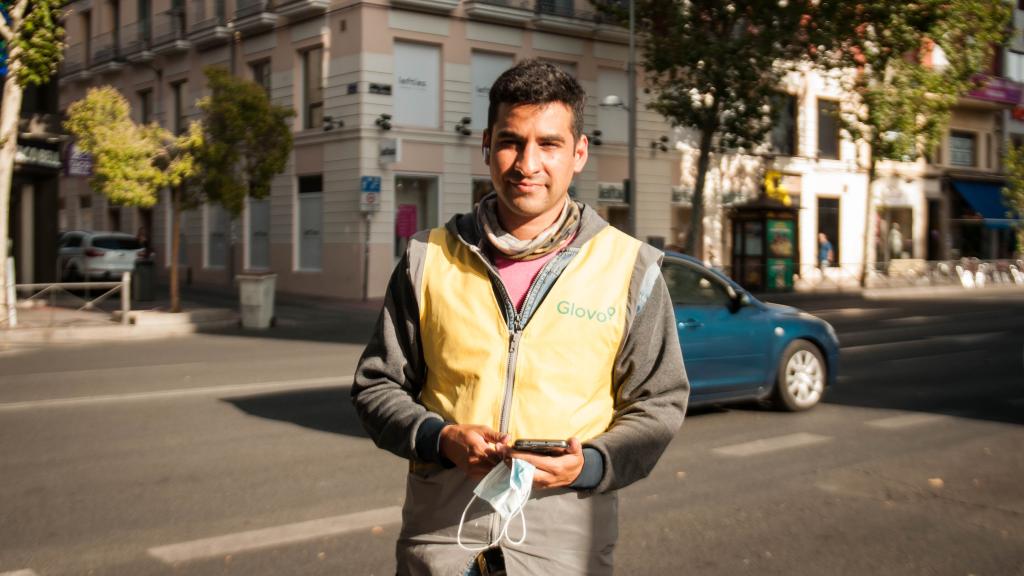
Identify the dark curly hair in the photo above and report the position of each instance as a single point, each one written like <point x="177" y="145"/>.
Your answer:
<point x="535" y="82"/>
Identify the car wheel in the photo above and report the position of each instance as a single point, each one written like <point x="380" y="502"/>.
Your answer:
<point x="800" y="383"/>
<point x="71" y="274"/>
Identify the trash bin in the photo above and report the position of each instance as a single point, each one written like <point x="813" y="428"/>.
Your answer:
<point x="256" y="295"/>
<point x="143" y="281"/>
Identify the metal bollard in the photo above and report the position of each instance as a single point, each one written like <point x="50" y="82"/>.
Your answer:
<point x="126" y="296"/>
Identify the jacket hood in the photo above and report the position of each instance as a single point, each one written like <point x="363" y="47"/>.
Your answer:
<point x="465" y="227"/>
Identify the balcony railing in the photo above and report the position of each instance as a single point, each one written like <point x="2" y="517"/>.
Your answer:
<point x="138" y="39"/>
<point x="300" y="9"/>
<point x="169" y="31"/>
<point x="76" y="60"/>
<point x="254" y="16"/>
<point x="106" y="48"/>
<point x="208" y="24"/>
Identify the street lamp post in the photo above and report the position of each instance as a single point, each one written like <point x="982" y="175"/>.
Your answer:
<point x="629" y="106"/>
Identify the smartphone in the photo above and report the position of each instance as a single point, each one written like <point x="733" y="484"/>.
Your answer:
<point x="541" y="446"/>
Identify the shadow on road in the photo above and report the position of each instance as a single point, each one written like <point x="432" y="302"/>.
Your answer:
<point x="323" y="409"/>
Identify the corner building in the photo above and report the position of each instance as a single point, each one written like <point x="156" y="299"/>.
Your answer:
<point x="390" y="101"/>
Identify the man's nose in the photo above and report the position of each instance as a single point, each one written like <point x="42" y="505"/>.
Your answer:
<point x="528" y="162"/>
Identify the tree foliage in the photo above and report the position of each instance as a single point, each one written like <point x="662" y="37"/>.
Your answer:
<point x="35" y="38"/>
<point x="912" y="63"/>
<point x="132" y="162"/>
<point x="1013" y="193"/>
<point x="715" y="67"/>
<point x="247" y="140"/>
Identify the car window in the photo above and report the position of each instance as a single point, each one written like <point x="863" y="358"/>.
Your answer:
<point x="71" y="241"/>
<point x="115" y="243"/>
<point x="689" y="286"/>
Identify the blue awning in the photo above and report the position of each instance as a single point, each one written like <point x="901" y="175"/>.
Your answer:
<point x="986" y="199"/>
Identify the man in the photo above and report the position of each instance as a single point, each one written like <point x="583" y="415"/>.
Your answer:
<point x="824" y="250"/>
<point x="530" y="318"/>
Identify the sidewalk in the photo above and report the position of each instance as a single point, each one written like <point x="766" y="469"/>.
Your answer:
<point x="206" y="309"/>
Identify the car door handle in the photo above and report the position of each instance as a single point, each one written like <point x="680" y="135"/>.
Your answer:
<point x="690" y="323"/>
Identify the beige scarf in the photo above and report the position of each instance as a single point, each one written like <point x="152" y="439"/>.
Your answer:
<point x="562" y="231"/>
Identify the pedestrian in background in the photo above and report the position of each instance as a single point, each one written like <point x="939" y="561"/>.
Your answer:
<point x="825" y="256"/>
<point x="529" y="317"/>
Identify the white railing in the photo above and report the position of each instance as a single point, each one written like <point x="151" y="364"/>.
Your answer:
<point x="52" y="290"/>
<point x="968" y="273"/>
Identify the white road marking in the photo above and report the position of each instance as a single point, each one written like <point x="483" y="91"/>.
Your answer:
<point x="108" y="371"/>
<point x="325" y="382"/>
<point x="905" y="421"/>
<point x="276" y="536"/>
<point x="19" y="573"/>
<point x="771" y="444"/>
<point x="962" y="339"/>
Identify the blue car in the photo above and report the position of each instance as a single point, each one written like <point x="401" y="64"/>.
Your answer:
<point x="737" y="348"/>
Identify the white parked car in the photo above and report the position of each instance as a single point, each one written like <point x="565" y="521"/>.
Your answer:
<point x="85" y="255"/>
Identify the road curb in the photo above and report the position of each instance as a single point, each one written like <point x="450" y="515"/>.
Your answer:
<point x="145" y="325"/>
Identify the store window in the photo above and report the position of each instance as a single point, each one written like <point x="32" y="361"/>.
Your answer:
<point x="828" y="129"/>
<point x="962" y="149"/>
<point x="417" y="85"/>
<point x="415" y="208"/>
<point x="310" y="232"/>
<point x="486" y="68"/>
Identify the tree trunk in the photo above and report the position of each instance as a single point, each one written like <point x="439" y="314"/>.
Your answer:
<point x="175" y="249"/>
<point x="695" y="242"/>
<point x="10" y="113"/>
<point x="869" y="212"/>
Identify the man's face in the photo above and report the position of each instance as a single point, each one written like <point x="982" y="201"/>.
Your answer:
<point x="533" y="158"/>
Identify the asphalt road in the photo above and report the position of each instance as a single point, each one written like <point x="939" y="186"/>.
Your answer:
<point x="239" y="454"/>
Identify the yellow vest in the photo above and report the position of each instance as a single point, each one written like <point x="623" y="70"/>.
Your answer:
<point x="560" y="384"/>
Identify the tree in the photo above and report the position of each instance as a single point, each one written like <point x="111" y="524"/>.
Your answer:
<point x="32" y="39"/>
<point x="911" y="63"/>
<point x="247" y="140"/>
<point x="715" y="67"/>
<point x="1014" y="191"/>
<point x="133" y="163"/>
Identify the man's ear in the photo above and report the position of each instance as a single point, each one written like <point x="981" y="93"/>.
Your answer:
<point x="485" y="147"/>
<point x="581" y="153"/>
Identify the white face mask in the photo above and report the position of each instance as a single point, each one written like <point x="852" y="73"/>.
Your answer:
<point x="506" y="490"/>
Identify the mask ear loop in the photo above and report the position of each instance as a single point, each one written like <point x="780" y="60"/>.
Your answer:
<point x="462" y="521"/>
<point x="522" y="518"/>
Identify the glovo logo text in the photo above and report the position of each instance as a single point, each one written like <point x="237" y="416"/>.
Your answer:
<point x="567" y="308"/>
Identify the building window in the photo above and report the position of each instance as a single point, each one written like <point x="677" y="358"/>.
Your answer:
<point x="145" y="106"/>
<point x="313" y="88"/>
<point x="828" y="129"/>
<point x="416" y="97"/>
<point x="1014" y="66"/>
<point x="485" y="70"/>
<point x="261" y="74"/>
<point x="310" y="231"/>
<point x="216" y="236"/>
<point x="612" y="121"/>
<point x="178" y="94"/>
<point x="962" y="146"/>
<point x="784" y="133"/>
<point x="87" y="36"/>
<point x="259" y="233"/>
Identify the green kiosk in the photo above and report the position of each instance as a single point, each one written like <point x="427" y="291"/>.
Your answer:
<point x="764" y="245"/>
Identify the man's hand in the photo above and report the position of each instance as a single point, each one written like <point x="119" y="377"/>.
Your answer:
<point x="473" y="449"/>
<point x="554" y="471"/>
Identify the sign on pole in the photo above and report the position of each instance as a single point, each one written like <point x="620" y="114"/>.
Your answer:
<point x="369" y="199"/>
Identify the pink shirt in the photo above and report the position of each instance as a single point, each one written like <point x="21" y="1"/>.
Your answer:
<point x="517" y="275"/>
